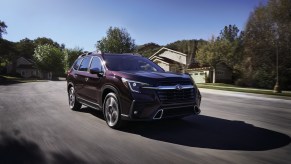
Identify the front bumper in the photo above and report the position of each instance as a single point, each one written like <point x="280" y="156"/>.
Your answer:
<point x="157" y="104"/>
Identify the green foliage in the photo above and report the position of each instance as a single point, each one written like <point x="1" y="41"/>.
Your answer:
<point x="148" y="49"/>
<point x="49" y="59"/>
<point x="118" y="40"/>
<point x="219" y="50"/>
<point x="268" y="31"/>
<point x="3" y="27"/>
<point x="71" y="55"/>
<point x="262" y="78"/>
<point x="185" y="46"/>
<point x="7" y="51"/>
<point x="227" y="48"/>
<point x="25" y="48"/>
<point x="10" y="51"/>
<point x="44" y="40"/>
<point x="230" y="33"/>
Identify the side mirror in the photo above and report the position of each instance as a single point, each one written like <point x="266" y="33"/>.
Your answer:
<point x="97" y="71"/>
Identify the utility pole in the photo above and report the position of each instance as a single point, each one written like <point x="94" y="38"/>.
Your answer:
<point x="277" y="88"/>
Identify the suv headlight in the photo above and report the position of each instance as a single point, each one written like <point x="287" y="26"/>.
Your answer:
<point x="134" y="86"/>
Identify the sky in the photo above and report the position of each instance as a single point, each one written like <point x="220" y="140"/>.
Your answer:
<point x="81" y="23"/>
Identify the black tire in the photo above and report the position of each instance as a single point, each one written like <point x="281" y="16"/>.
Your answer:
<point x="73" y="102"/>
<point x="112" y="112"/>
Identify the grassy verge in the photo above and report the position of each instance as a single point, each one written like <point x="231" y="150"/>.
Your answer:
<point x="229" y="87"/>
<point x="8" y="79"/>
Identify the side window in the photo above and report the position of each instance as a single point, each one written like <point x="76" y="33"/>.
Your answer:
<point x="77" y="64"/>
<point x="85" y="64"/>
<point x="96" y="64"/>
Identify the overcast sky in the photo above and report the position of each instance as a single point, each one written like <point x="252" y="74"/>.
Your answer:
<point x="82" y="22"/>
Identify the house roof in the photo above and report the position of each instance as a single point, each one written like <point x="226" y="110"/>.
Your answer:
<point x="167" y="60"/>
<point x="28" y="60"/>
<point x="26" y="66"/>
<point x="164" y="49"/>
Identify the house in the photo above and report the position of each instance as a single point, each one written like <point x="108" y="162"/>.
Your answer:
<point x="175" y="61"/>
<point x="26" y="69"/>
<point x="206" y="74"/>
<point x="169" y="60"/>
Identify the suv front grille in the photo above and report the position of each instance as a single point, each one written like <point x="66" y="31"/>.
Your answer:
<point x="174" y="96"/>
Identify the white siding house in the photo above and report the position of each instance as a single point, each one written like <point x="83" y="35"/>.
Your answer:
<point x="175" y="61"/>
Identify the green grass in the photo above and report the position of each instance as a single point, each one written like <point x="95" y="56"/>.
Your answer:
<point x="229" y="87"/>
<point x="19" y="79"/>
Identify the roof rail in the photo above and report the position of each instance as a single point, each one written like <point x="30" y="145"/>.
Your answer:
<point x="85" y="54"/>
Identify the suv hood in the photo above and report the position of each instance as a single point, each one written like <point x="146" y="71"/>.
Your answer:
<point x="153" y="77"/>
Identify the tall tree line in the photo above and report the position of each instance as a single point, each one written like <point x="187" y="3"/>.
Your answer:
<point x="48" y="55"/>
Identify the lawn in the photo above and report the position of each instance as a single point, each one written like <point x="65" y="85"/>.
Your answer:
<point x="229" y="87"/>
<point x="7" y="79"/>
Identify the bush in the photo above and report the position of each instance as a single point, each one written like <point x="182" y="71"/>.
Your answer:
<point x="263" y="79"/>
<point x="241" y="82"/>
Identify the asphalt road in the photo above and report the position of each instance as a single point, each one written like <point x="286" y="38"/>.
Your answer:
<point x="36" y="126"/>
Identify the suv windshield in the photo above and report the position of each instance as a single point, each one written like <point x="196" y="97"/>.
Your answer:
<point x="130" y="63"/>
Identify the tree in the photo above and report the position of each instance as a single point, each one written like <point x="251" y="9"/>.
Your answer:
<point x="3" y="27"/>
<point x="230" y="33"/>
<point x="49" y="59"/>
<point x="267" y="32"/>
<point x="8" y="51"/>
<point x="71" y="55"/>
<point x="148" y="49"/>
<point x="44" y="40"/>
<point x="227" y="48"/>
<point x="25" y="48"/>
<point x="118" y="40"/>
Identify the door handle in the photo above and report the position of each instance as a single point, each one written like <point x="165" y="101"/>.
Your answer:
<point x="86" y="79"/>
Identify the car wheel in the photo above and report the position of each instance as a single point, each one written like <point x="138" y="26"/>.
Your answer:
<point x="111" y="111"/>
<point x="73" y="102"/>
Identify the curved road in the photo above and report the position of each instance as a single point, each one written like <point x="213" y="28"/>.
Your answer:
<point x="36" y="126"/>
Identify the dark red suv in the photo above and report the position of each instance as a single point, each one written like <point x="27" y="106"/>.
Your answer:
<point x="130" y="87"/>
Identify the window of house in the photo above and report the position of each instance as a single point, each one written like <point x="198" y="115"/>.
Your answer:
<point x="85" y="64"/>
<point x="220" y="73"/>
<point x="196" y="74"/>
<point x="22" y="73"/>
<point x="202" y="73"/>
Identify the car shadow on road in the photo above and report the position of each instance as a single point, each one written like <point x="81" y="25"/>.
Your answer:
<point x="211" y="132"/>
<point x="17" y="149"/>
<point x="206" y="132"/>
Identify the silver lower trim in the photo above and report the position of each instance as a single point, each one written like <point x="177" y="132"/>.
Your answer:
<point x="124" y="115"/>
<point x="159" y="114"/>
<point x="86" y="104"/>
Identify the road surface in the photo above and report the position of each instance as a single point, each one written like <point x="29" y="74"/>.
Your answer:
<point x="37" y="126"/>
